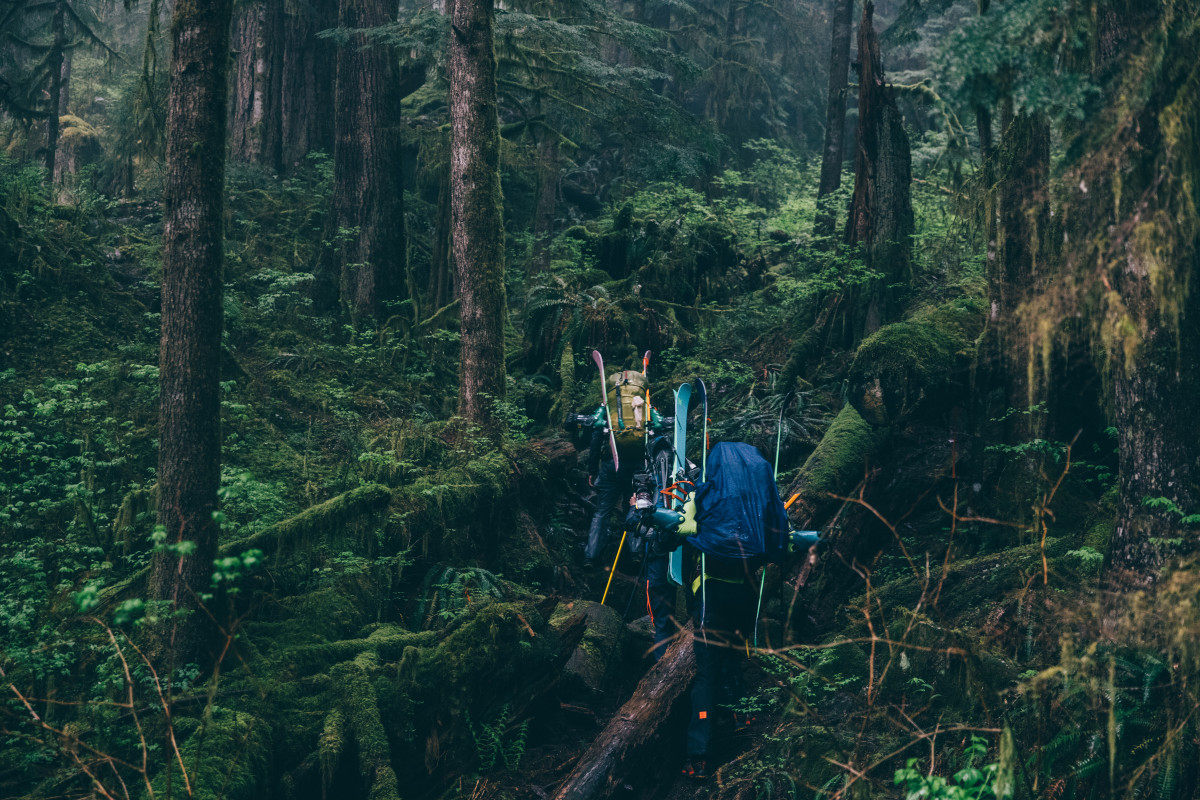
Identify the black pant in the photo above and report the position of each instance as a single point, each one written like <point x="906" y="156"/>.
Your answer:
<point x="612" y="489"/>
<point x="723" y="621"/>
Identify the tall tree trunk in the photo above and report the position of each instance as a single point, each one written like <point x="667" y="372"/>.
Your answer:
<point x="64" y="91"/>
<point x="367" y="222"/>
<point x="881" y="215"/>
<point x="189" y="454"/>
<point x="254" y="120"/>
<point x="477" y="228"/>
<point x="835" y="118"/>
<point x="282" y="85"/>
<point x="547" y="203"/>
<point x="307" y="70"/>
<point x="55" y="64"/>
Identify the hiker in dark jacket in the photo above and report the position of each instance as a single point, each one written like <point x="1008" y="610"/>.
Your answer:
<point x="736" y="524"/>
<point x="613" y="488"/>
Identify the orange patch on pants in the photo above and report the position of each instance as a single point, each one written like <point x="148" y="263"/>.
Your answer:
<point x="703" y="715"/>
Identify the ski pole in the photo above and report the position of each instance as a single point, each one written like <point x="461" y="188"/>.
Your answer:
<point x="613" y="571"/>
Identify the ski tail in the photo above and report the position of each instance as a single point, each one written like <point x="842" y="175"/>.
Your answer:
<point x="612" y="439"/>
<point x="702" y="393"/>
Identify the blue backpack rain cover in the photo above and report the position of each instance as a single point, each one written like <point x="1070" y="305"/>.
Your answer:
<point x="739" y="514"/>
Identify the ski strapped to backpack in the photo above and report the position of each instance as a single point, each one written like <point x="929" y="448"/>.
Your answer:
<point x="612" y="441"/>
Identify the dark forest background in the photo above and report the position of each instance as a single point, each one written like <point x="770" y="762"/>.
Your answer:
<point x="296" y="294"/>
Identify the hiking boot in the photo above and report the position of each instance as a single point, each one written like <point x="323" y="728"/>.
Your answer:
<point x="741" y="720"/>
<point x="695" y="768"/>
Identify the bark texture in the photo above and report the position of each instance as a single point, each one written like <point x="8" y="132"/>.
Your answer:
<point x="189" y="360"/>
<point x="1147" y="297"/>
<point x="835" y="117"/>
<point x="282" y="84"/>
<point x="1016" y="268"/>
<point x="602" y="768"/>
<point x="367" y="223"/>
<point x="881" y="216"/>
<point x="477" y="226"/>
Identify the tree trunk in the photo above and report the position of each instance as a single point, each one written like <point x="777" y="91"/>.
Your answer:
<point x="835" y="118"/>
<point x="477" y="227"/>
<point x="55" y="65"/>
<point x="602" y="767"/>
<point x="547" y="203"/>
<point x="881" y="216"/>
<point x="254" y="104"/>
<point x="367" y="223"/>
<point x="306" y="69"/>
<point x="189" y="418"/>
<point x="1023" y="217"/>
<point x="282" y="85"/>
<point x="64" y="91"/>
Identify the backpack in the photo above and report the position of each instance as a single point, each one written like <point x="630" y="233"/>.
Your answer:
<point x="739" y="515"/>
<point x="629" y="412"/>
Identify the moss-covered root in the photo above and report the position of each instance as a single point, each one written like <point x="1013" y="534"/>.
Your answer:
<point x="839" y="460"/>
<point x="361" y="708"/>
<point x="227" y="757"/>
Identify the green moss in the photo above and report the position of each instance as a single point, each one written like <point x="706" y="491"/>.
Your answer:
<point x="313" y="523"/>
<point x="908" y="364"/>
<point x="227" y="757"/>
<point x="360" y="705"/>
<point x="838" y="460"/>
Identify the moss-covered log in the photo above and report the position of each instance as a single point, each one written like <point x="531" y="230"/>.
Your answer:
<point x="837" y="464"/>
<point x="920" y="362"/>
<point x="316" y="521"/>
<point x="602" y="767"/>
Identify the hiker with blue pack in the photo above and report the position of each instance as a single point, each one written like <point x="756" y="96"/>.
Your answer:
<point x="735" y="523"/>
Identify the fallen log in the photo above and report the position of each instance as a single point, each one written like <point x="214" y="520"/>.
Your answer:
<point x="599" y="770"/>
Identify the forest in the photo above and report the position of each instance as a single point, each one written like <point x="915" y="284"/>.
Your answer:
<point x="318" y="322"/>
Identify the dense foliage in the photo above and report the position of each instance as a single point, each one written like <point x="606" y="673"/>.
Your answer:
<point x="1001" y="457"/>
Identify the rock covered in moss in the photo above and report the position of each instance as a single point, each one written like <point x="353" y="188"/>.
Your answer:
<point x="917" y="363"/>
<point x="78" y="145"/>
<point x="590" y="661"/>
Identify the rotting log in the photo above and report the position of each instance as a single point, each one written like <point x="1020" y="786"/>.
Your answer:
<point x="599" y="770"/>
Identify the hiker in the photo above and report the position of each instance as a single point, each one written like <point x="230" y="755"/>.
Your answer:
<point x="736" y="523"/>
<point x="628" y="422"/>
<point x="613" y="488"/>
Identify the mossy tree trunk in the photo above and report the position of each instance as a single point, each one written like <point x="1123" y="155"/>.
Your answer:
<point x="881" y="216"/>
<point x="477" y="225"/>
<point x="835" y="118"/>
<point x="189" y="360"/>
<point x="366" y="225"/>
<point x="1142" y="267"/>
<point x="1017" y="267"/>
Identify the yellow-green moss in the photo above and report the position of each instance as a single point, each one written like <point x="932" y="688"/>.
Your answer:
<point x="838" y="461"/>
<point x="906" y="364"/>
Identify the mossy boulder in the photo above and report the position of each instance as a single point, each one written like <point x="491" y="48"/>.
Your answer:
<point x="78" y="145"/>
<point x="590" y="662"/>
<point x="918" y="363"/>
